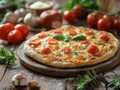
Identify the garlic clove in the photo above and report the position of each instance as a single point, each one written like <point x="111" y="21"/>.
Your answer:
<point x="19" y="80"/>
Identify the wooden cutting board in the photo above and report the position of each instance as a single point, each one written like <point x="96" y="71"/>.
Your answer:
<point x="64" y="72"/>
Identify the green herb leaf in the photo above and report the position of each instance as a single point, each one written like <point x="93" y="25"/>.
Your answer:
<point x="86" y="79"/>
<point x="59" y="37"/>
<point x="115" y="83"/>
<point x="67" y="38"/>
<point x="6" y="57"/>
<point x="79" y="37"/>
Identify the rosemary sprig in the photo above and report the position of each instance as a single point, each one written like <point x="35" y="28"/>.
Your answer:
<point x="85" y="80"/>
<point x="115" y="83"/>
<point x="6" y="57"/>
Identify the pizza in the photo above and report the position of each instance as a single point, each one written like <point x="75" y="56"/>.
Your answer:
<point x="70" y="46"/>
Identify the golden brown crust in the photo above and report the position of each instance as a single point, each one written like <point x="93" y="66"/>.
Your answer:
<point x="29" y="51"/>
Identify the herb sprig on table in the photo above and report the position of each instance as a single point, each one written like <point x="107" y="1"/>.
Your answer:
<point x="6" y="57"/>
<point x="85" y="80"/>
<point x="91" y="80"/>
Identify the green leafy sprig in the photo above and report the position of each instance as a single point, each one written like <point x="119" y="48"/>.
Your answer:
<point x="115" y="83"/>
<point x="85" y="80"/>
<point x="6" y="57"/>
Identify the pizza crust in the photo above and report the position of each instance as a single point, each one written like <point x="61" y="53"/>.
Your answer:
<point x="29" y="51"/>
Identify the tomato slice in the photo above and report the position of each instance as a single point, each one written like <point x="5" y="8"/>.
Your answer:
<point x="84" y="41"/>
<point x="66" y="50"/>
<point x="35" y="43"/>
<point x="89" y="32"/>
<point x="42" y="35"/>
<point x="92" y="49"/>
<point x="104" y="37"/>
<point x="46" y="51"/>
<point x="52" y="41"/>
<point x="58" y="31"/>
<point x="72" y="32"/>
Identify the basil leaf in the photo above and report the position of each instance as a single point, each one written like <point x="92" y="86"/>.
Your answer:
<point x="79" y="37"/>
<point x="67" y="38"/>
<point x="59" y="37"/>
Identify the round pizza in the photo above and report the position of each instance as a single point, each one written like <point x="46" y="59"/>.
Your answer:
<point x="70" y="46"/>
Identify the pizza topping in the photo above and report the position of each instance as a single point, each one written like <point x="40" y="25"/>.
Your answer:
<point x="89" y="31"/>
<point x="42" y="35"/>
<point x="59" y="37"/>
<point x="35" y="43"/>
<point x="92" y="49"/>
<point x="46" y="51"/>
<point x="72" y="32"/>
<point x="84" y="41"/>
<point x="52" y="41"/>
<point x="58" y="31"/>
<point x="66" y="50"/>
<point x="67" y="38"/>
<point x="104" y="37"/>
<point x="79" y="37"/>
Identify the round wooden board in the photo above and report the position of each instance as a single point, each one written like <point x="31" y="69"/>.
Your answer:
<point x="65" y="72"/>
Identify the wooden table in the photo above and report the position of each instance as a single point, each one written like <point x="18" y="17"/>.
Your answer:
<point x="46" y="82"/>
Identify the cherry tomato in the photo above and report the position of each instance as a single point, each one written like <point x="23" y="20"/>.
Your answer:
<point x="35" y="43"/>
<point x="57" y="31"/>
<point x="79" y="10"/>
<point x="116" y="24"/>
<point x="111" y="18"/>
<point x="42" y="35"/>
<point x="46" y="51"/>
<point x="23" y="29"/>
<point x="72" y="32"/>
<point x="5" y="29"/>
<point x="104" y="37"/>
<point x="92" y="49"/>
<point x="66" y="50"/>
<point x="92" y="19"/>
<point x="104" y="24"/>
<point x="15" y="37"/>
<point x="52" y="41"/>
<point x="89" y="32"/>
<point x="69" y="16"/>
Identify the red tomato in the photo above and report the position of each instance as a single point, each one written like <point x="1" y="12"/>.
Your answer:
<point x="52" y="41"/>
<point x="79" y="10"/>
<point x="46" y="51"/>
<point x="66" y="50"/>
<point x="92" y="19"/>
<point x="5" y="29"/>
<point x="116" y="24"/>
<point x="104" y="37"/>
<point x="23" y="29"/>
<point x="104" y="24"/>
<point x="69" y="16"/>
<point x="35" y="43"/>
<point x="92" y="49"/>
<point x="111" y="18"/>
<point x="42" y="35"/>
<point x="89" y="32"/>
<point x="15" y="37"/>
<point x="72" y="32"/>
<point x="57" y="31"/>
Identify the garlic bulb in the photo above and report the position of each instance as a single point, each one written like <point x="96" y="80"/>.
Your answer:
<point x="19" y="80"/>
<point x="31" y="20"/>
